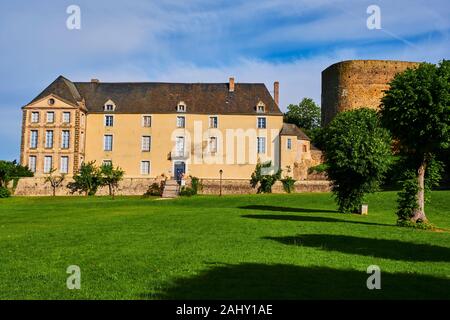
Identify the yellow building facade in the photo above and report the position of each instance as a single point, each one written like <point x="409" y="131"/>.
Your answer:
<point x="159" y="129"/>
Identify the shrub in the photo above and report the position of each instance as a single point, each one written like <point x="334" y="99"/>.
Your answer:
<point x="196" y="184"/>
<point x="320" y="168"/>
<point x="288" y="184"/>
<point x="4" y="192"/>
<point x="193" y="189"/>
<point x="264" y="182"/>
<point x="155" y="189"/>
<point x="187" y="191"/>
<point x="87" y="180"/>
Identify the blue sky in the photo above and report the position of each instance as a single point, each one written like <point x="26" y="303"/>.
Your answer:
<point x="203" y="41"/>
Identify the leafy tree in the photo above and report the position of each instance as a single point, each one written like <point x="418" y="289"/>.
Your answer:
<point x="54" y="180"/>
<point x="305" y="115"/>
<point x="264" y="181"/>
<point x="357" y="152"/>
<point x="111" y="177"/>
<point x="87" y="180"/>
<point x="416" y="109"/>
<point x="10" y="170"/>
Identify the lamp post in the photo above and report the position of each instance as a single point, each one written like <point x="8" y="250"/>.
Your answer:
<point x="220" y="172"/>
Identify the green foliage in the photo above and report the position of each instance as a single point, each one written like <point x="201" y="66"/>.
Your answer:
<point x="407" y="198"/>
<point x="288" y="184"/>
<point x="323" y="167"/>
<point x="262" y="181"/>
<point x="305" y="115"/>
<point x="111" y="177"/>
<point x="10" y="170"/>
<point x="155" y="189"/>
<point x="193" y="189"/>
<point x="4" y="192"/>
<point x="87" y="180"/>
<point x="357" y="152"/>
<point x="55" y="181"/>
<point x="416" y="109"/>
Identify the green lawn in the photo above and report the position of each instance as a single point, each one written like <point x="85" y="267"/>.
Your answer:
<point x="257" y="246"/>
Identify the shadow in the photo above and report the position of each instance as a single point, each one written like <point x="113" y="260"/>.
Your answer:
<point x="379" y="248"/>
<point x="286" y="209"/>
<point x="309" y="219"/>
<point x="261" y="281"/>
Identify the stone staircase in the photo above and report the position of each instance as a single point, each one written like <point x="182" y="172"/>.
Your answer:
<point x="171" y="189"/>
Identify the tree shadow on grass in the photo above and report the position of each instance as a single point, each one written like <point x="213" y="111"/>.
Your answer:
<point x="380" y="248"/>
<point x="286" y="209"/>
<point x="280" y="281"/>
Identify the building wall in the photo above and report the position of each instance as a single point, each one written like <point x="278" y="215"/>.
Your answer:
<point x="357" y="83"/>
<point x="128" y="130"/>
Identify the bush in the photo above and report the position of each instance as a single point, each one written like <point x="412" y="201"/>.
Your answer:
<point x="87" y="180"/>
<point x="288" y="184"/>
<point x="187" y="191"/>
<point x="4" y="192"/>
<point x="264" y="182"/>
<point x="155" y="189"/>
<point x="320" y="168"/>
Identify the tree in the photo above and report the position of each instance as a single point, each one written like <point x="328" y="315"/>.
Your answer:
<point x="305" y="115"/>
<point x="357" y="152"/>
<point x="10" y="170"/>
<point x="87" y="180"/>
<point x="111" y="177"/>
<point x="55" y="181"/>
<point x="262" y="179"/>
<point x="416" y="109"/>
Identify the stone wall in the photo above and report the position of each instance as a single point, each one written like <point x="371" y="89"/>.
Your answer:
<point x="357" y="83"/>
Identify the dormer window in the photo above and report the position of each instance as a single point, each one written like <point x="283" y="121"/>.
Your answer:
<point x="181" y="107"/>
<point x="109" y="106"/>
<point x="260" y="107"/>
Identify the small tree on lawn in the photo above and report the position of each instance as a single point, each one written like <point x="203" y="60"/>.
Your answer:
<point x="416" y="109"/>
<point x="111" y="177"/>
<point x="11" y="170"/>
<point x="54" y="180"/>
<point x="357" y="152"/>
<point x="87" y="180"/>
<point x="261" y="179"/>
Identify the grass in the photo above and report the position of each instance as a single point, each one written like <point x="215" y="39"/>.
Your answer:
<point x="292" y="246"/>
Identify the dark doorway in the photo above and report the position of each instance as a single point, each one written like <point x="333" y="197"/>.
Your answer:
<point x="179" y="170"/>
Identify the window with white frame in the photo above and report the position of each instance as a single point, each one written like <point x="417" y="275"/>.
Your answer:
<point x="108" y="142"/>
<point x="32" y="163"/>
<point x="65" y="139"/>
<point x="50" y="117"/>
<point x="261" y="122"/>
<point x="213" y="144"/>
<point x="145" y="167"/>
<point x="48" y="164"/>
<point x="66" y="117"/>
<point x="260" y="108"/>
<point x="261" y="144"/>
<point x="109" y="121"/>
<point x="33" y="139"/>
<point x="107" y="162"/>
<point x="213" y="122"/>
<point x="179" y="146"/>
<point x="35" y="117"/>
<point x="49" y="138"/>
<point x="146" y="143"/>
<point x="64" y="165"/>
<point x="147" y="121"/>
<point x="181" y="107"/>
<point x="109" y="106"/>
<point x="181" y="122"/>
<point x="289" y="144"/>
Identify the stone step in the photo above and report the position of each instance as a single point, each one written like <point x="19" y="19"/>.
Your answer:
<point x="171" y="189"/>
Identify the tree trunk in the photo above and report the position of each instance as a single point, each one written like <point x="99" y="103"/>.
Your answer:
<point x="54" y="191"/>
<point x="419" y="213"/>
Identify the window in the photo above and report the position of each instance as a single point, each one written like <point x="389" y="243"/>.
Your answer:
<point x="146" y="143"/>
<point x="213" y="144"/>
<point x="48" y="164"/>
<point x="109" y="121"/>
<point x="50" y="117"/>
<point x="49" y="138"/>
<point x="289" y="143"/>
<point x="305" y="148"/>
<point x="65" y="138"/>
<point x="147" y="121"/>
<point x="213" y="122"/>
<point x="179" y="146"/>
<point x="261" y="145"/>
<point x="32" y="163"/>
<point x="181" y="122"/>
<point x="33" y="139"/>
<point x="145" y="167"/>
<point x="51" y="101"/>
<point x="66" y="117"/>
<point x="181" y="107"/>
<point x="108" y="142"/>
<point x="260" y="108"/>
<point x="64" y="165"/>
<point x="35" y="117"/>
<point x="107" y="162"/>
<point x="261" y="123"/>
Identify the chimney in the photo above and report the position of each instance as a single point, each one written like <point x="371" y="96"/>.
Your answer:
<point x="276" y="92"/>
<point x="231" y="85"/>
<point x="95" y="80"/>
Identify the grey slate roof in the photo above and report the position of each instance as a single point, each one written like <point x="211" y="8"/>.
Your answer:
<point x="290" y="129"/>
<point x="159" y="97"/>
